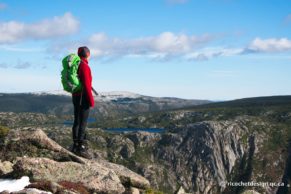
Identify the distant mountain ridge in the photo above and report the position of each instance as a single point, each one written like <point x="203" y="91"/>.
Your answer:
<point x="108" y="104"/>
<point x="107" y="96"/>
<point x="102" y="95"/>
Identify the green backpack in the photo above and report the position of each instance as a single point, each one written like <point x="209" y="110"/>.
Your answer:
<point x="70" y="80"/>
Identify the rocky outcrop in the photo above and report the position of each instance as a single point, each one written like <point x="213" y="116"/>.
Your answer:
<point x="42" y="159"/>
<point x="122" y="147"/>
<point x="126" y="176"/>
<point x="143" y="139"/>
<point x="95" y="177"/>
<point x="181" y="191"/>
<point x="30" y="142"/>
<point x="202" y="155"/>
<point x="30" y="191"/>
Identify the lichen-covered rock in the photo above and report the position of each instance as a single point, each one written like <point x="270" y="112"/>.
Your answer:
<point x="63" y="187"/>
<point x="181" y="191"/>
<point x="142" y="138"/>
<point x="133" y="190"/>
<point x="95" y="177"/>
<point x="5" y="167"/>
<point x="127" y="176"/>
<point x="40" y="158"/>
<point x="31" y="142"/>
<point x="34" y="191"/>
<point x="121" y="145"/>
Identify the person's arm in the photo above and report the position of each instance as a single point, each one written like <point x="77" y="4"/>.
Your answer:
<point x="86" y="79"/>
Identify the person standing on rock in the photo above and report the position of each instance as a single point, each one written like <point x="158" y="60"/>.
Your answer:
<point x="82" y="102"/>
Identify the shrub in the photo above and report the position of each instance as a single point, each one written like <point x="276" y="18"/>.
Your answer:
<point x="3" y="131"/>
<point x="152" y="191"/>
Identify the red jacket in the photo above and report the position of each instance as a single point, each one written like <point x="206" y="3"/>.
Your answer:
<point x="85" y="77"/>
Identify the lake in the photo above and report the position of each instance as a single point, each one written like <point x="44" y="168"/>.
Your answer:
<point x="120" y="130"/>
<point x="70" y="122"/>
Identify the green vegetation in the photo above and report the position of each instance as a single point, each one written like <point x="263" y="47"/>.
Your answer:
<point x="3" y="131"/>
<point x="152" y="191"/>
<point x="142" y="155"/>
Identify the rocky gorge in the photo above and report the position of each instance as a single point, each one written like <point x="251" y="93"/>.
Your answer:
<point x="202" y="151"/>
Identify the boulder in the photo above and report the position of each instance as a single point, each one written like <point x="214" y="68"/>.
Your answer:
<point x="127" y="176"/>
<point x="5" y="167"/>
<point x="95" y="177"/>
<point x="181" y="191"/>
<point x="33" y="191"/>
<point x="42" y="159"/>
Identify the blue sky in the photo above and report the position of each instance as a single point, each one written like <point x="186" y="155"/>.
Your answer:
<point x="195" y="49"/>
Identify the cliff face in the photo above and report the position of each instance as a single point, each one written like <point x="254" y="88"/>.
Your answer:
<point x="35" y="155"/>
<point x="202" y="155"/>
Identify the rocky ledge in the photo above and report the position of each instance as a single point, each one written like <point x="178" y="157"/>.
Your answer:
<point x="50" y="167"/>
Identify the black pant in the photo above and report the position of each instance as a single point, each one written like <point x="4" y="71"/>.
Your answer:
<point x="81" y="114"/>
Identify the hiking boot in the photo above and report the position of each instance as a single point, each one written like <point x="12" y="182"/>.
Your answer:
<point x="74" y="148"/>
<point x="83" y="152"/>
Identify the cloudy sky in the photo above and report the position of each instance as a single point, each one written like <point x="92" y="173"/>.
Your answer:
<point x="196" y="49"/>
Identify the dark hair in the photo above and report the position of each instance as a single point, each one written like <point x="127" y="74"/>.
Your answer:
<point x="83" y="51"/>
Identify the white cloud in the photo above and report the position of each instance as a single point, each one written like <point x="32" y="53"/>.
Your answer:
<point x="269" y="45"/>
<point x="162" y="46"/>
<point x="167" y="46"/>
<point x="209" y="53"/>
<point x="14" y="31"/>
